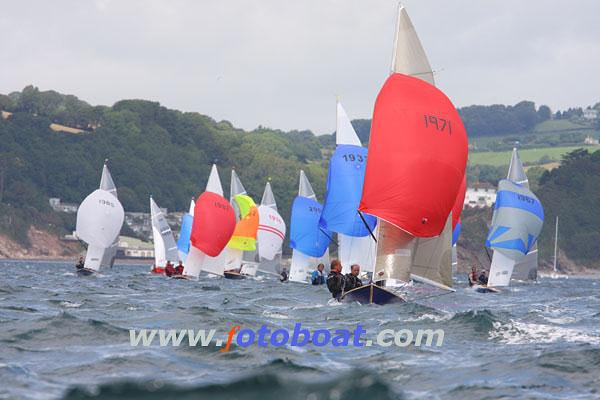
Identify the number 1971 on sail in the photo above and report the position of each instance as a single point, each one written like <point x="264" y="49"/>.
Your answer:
<point x="439" y="124"/>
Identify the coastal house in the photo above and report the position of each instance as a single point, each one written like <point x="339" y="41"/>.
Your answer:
<point x="480" y="196"/>
<point x="590" y="114"/>
<point x="58" y="206"/>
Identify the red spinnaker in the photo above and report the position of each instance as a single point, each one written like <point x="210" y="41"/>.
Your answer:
<point x="459" y="202"/>
<point x="417" y="157"/>
<point x="214" y="223"/>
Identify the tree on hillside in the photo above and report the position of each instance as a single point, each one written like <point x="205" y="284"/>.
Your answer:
<point x="543" y="113"/>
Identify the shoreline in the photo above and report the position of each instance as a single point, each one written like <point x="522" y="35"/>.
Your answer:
<point x="68" y="260"/>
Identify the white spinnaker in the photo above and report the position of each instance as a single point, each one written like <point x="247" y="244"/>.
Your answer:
<point x="165" y="248"/>
<point x="271" y="232"/>
<point x="268" y="240"/>
<point x="196" y="260"/>
<point x="99" y="218"/>
<point x="299" y="268"/>
<point x="409" y="57"/>
<point x="500" y="270"/>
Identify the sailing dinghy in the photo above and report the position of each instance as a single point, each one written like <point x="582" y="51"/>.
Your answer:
<point x="415" y="167"/>
<point x="271" y="234"/>
<point x="516" y="224"/>
<point x="165" y="249"/>
<point x="344" y="190"/>
<point x="213" y="226"/>
<point x="309" y="242"/>
<point x="99" y="220"/>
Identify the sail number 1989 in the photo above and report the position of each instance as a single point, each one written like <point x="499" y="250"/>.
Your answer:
<point x="440" y="124"/>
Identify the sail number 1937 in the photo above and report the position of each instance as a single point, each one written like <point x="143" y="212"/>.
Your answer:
<point x="440" y="124"/>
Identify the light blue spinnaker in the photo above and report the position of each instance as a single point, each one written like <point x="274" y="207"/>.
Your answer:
<point x="183" y="242"/>
<point x="517" y="220"/>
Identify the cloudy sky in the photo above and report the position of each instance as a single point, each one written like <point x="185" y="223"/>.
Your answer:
<point x="281" y="63"/>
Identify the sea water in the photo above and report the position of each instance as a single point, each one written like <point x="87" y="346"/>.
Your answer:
<point x="67" y="336"/>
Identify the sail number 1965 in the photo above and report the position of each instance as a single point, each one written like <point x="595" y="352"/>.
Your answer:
<point x="440" y="124"/>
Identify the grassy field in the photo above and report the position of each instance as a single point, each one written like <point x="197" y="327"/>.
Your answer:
<point x="498" y="158"/>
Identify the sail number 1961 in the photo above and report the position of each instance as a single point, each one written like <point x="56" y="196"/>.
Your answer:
<point x="440" y="124"/>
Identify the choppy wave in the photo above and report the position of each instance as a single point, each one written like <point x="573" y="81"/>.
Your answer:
<point x="356" y="385"/>
<point x="68" y="335"/>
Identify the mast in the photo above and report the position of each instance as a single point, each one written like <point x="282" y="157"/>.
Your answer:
<point x="556" y="245"/>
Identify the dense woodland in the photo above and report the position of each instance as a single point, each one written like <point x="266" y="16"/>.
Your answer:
<point x="168" y="153"/>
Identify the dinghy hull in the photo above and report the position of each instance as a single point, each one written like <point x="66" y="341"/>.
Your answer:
<point x="233" y="275"/>
<point x="85" y="272"/>
<point x="485" y="289"/>
<point x="371" y="294"/>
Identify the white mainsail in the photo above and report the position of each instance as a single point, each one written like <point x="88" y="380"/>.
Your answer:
<point x="99" y="220"/>
<point x="196" y="260"/>
<point x="165" y="248"/>
<point x="106" y="183"/>
<point x="301" y="264"/>
<point x="271" y="234"/>
<point x="234" y="257"/>
<point x="409" y="57"/>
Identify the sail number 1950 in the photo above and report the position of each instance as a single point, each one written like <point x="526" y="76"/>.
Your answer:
<point x="440" y="124"/>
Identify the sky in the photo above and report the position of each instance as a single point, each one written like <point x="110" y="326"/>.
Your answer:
<point x="282" y="63"/>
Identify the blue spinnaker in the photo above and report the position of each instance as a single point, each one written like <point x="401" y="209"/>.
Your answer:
<point x="456" y="232"/>
<point x="305" y="234"/>
<point x="183" y="243"/>
<point x="344" y="190"/>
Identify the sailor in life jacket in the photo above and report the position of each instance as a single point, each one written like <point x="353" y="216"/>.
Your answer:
<point x="317" y="277"/>
<point x="335" y="280"/>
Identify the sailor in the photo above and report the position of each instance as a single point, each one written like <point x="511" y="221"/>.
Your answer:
<point x="473" y="279"/>
<point x="335" y="280"/>
<point x="80" y="263"/>
<point x="317" y="277"/>
<point x="169" y="269"/>
<point x="284" y="275"/>
<point x="179" y="268"/>
<point x="483" y="279"/>
<point x="352" y="279"/>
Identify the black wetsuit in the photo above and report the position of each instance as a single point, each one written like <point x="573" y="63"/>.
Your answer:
<point x="352" y="282"/>
<point x="335" y="284"/>
<point x="284" y="276"/>
<point x="483" y="279"/>
<point x="79" y="265"/>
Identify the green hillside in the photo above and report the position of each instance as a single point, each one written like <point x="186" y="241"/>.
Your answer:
<point x="528" y="156"/>
<point x="168" y="153"/>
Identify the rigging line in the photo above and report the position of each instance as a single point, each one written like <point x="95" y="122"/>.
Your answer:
<point x="488" y="254"/>
<point x="329" y="237"/>
<point x="367" y="225"/>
